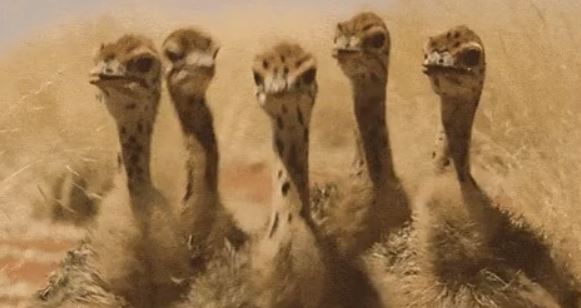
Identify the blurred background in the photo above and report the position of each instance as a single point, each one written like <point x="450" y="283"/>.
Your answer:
<point x="58" y="144"/>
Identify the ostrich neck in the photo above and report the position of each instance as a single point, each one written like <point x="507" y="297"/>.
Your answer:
<point x="457" y="116"/>
<point x="291" y="166"/>
<point x="197" y="124"/>
<point x="135" y="141"/>
<point x="369" y="106"/>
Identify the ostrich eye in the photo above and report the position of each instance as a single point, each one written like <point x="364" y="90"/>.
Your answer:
<point x="308" y="77"/>
<point x="173" y="56"/>
<point x="258" y="80"/>
<point x="142" y="65"/>
<point x="375" y="41"/>
<point x="470" y="57"/>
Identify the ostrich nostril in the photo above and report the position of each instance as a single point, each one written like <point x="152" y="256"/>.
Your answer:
<point x="108" y="70"/>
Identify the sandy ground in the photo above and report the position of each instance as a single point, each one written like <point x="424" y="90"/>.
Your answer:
<point x="527" y="130"/>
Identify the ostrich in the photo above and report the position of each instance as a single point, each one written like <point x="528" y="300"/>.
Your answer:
<point x="371" y="202"/>
<point x="133" y="255"/>
<point x="191" y="54"/>
<point x="461" y="250"/>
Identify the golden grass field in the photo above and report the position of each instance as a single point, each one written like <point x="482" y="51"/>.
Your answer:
<point x="528" y="128"/>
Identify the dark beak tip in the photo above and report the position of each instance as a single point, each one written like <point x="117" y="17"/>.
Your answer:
<point x="106" y="77"/>
<point x="100" y="79"/>
<point x="338" y="52"/>
<point x="94" y="80"/>
<point x="335" y="53"/>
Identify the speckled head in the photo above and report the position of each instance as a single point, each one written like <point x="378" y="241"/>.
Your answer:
<point x="190" y="56"/>
<point x="284" y="71"/>
<point x="128" y="73"/>
<point x="130" y="62"/>
<point x="361" y="47"/>
<point x="455" y="63"/>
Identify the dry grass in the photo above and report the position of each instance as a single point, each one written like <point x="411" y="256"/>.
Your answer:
<point x="527" y="130"/>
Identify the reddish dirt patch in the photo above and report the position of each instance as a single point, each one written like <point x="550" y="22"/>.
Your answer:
<point x="30" y="272"/>
<point x="250" y="181"/>
<point x="46" y="245"/>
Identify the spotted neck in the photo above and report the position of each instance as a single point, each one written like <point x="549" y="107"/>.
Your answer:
<point x="197" y="124"/>
<point x="135" y="131"/>
<point x="291" y="164"/>
<point x="369" y="106"/>
<point x="457" y="118"/>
